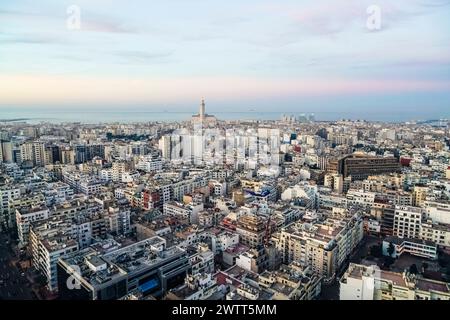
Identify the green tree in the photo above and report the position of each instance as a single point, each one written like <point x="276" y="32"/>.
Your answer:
<point x="391" y="249"/>
<point x="413" y="269"/>
<point x="388" y="261"/>
<point x="375" y="251"/>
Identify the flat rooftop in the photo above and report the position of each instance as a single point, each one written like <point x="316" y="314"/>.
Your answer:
<point x="143" y="254"/>
<point x="79" y="259"/>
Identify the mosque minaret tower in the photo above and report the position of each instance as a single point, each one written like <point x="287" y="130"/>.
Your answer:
<point x="202" y="117"/>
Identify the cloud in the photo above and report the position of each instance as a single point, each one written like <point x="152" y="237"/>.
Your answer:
<point x="7" y="38"/>
<point x="201" y="37"/>
<point x="106" y="25"/>
<point x="45" y="89"/>
<point x="434" y="3"/>
<point x="228" y="21"/>
<point x="16" y="13"/>
<point x="90" y="22"/>
<point x="143" y="56"/>
<point x="333" y="17"/>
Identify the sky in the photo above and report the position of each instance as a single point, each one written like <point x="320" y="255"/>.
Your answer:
<point x="286" y="55"/>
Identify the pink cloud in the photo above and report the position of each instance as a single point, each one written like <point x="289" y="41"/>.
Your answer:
<point x="29" y="89"/>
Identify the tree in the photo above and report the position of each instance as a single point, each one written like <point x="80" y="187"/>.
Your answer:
<point x="391" y="249"/>
<point x="375" y="251"/>
<point x="443" y="261"/>
<point x="413" y="269"/>
<point x="388" y="261"/>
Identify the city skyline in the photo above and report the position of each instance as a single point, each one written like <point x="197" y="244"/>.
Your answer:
<point x="295" y="56"/>
<point x="214" y="159"/>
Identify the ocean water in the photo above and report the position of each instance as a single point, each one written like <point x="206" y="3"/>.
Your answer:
<point x="93" y="116"/>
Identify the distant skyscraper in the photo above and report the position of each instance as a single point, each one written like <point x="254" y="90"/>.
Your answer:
<point x="202" y="109"/>
<point x="165" y="147"/>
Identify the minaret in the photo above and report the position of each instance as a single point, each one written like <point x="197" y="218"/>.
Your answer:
<point x="202" y="109"/>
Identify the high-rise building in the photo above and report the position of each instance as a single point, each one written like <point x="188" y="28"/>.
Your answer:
<point x="419" y="195"/>
<point x="360" y="166"/>
<point x="67" y="155"/>
<point x="165" y="147"/>
<point x="407" y="222"/>
<point x="251" y="230"/>
<point x="323" y="246"/>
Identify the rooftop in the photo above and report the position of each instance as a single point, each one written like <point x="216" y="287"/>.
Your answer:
<point x="143" y="254"/>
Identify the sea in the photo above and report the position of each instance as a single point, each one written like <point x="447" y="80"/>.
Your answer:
<point x="95" y="116"/>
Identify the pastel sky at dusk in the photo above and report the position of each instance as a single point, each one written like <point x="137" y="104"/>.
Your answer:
<point x="289" y="55"/>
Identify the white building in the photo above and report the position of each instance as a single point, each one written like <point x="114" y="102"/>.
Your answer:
<point x="437" y="212"/>
<point x="437" y="233"/>
<point x="25" y="216"/>
<point x="221" y="241"/>
<point x="416" y="247"/>
<point x="149" y="163"/>
<point x="359" y="197"/>
<point x="302" y="190"/>
<point x="119" y="220"/>
<point x="373" y="226"/>
<point x="407" y="221"/>
<point x="188" y="212"/>
<point x="106" y="175"/>
<point x="370" y="283"/>
<point x="7" y="194"/>
<point x="46" y="249"/>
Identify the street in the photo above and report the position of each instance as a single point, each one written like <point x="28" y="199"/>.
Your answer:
<point x="13" y="283"/>
<point x="331" y="291"/>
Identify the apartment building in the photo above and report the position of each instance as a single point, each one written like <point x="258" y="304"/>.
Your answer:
<point x="219" y="240"/>
<point x="148" y="266"/>
<point x="188" y="212"/>
<point x="196" y="287"/>
<point x="324" y="245"/>
<point x="437" y="233"/>
<point x="336" y="182"/>
<point x="149" y="163"/>
<point x="81" y="182"/>
<point x="33" y="152"/>
<point x="48" y="244"/>
<point x="438" y="212"/>
<point x="251" y="230"/>
<point x="416" y="247"/>
<point x="119" y="221"/>
<point x="370" y="283"/>
<point x="384" y="213"/>
<point x="175" y="189"/>
<point x="291" y="282"/>
<point x="407" y="221"/>
<point x="361" y="166"/>
<point x="328" y="201"/>
<point x="360" y="197"/>
<point x="201" y="259"/>
<point x="420" y="195"/>
<point x="24" y="218"/>
<point x="7" y="193"/>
